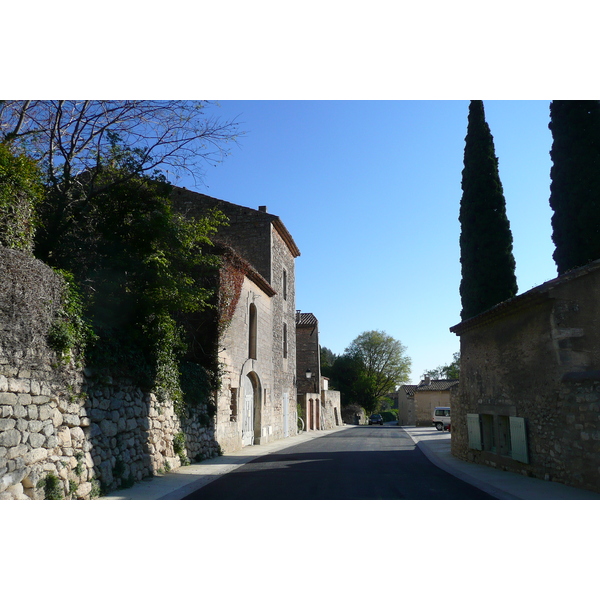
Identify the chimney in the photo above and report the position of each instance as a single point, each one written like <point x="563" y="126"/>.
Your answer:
<point x="262" y="209"/>
<point x="427" y="380"/>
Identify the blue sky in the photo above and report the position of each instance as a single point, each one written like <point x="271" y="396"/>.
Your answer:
<point x="370" y="191"/>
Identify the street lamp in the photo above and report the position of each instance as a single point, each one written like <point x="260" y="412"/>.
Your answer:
<point x="308" y="373"/>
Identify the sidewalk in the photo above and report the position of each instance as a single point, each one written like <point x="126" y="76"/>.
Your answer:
<point x="434" y="444"/>
<point x="500" y="484"/>
<point x="179" y="484"/>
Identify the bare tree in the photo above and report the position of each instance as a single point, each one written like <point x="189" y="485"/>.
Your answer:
<point x="70" y="138"/>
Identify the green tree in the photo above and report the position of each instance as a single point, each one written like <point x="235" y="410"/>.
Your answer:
<point x="144" y="270"/>
<point x="487" y="261"/>
<point x="372" y="366"/>
<point x="575" y="186"/>
<point x="451" y="371"/>
<point x="21" y="191"/>
<point x="327" y="360"/>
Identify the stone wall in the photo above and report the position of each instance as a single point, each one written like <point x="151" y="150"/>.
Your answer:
<point x="284" y="315"/>
<point x="537" y="358"/>
<point x="88" y="433"/>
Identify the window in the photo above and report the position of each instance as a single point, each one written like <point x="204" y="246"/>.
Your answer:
<point x="284" y="284"/>
<point x="233" y="406"/>
<point x="504" y="443"/>
<point x="474" y="431"/>
<point x="518" y="436"/>
<point x="285" y="341"/>
<point x="252" y="332"/>
<point x="488" y="433"/>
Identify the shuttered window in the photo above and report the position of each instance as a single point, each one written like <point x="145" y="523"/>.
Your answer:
<point x="474" y="431"/>
<point x="518" y="438"/>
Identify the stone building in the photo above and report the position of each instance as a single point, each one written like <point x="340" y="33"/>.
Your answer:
<point x="529" y="394"/>
<point x="257" y="400"/>
<point x="429" y="394"/>
<point x="405" y="397"/>
<point x="320" y="405"/>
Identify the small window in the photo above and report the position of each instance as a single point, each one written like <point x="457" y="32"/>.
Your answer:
<point x="284" y="284"/>
<point x="252" y="326"/>
<point x="285" y="341"/>
<point x="233" y="406"/>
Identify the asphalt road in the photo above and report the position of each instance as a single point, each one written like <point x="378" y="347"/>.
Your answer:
<point x="358" y="463"/>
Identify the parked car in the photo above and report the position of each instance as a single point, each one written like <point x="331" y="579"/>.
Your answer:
<point x="441" y="418"/>
<point x="375" y="420"/>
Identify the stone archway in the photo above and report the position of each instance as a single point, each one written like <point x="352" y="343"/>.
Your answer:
<point x="251" y="412"/>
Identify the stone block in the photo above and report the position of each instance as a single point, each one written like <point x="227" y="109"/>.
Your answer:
<point x="57" y="418"/>
<point x="24" y="399"/>
<point x="20" y="411"/>
<point x="70" y="419"/>
<point x="8" y="398"/>
<point x="84" y="490"/>
<point x="36" y="440"/>
<point x="10" y="438"/>
<point x="20" y="386"/>
<point x="77" y="435"/>
<point x="35" y="455"/>
<point x="45" y="412"/>
<point x="35" y="426"/>
<point x="40" y="399"/>
<point x="3" y="384"/>
<point x="32" y="412"/>
<point x="109" y="428"/>
<point x="64" y="436"/>
<point x="6" y="424"/>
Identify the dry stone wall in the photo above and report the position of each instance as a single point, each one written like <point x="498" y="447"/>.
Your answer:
<point x="64" y="431"/>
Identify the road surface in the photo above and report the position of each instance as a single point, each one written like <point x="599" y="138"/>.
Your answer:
<point x="357" y="463"/>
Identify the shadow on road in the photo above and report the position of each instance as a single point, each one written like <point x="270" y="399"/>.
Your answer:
<point x="365" y="474"/>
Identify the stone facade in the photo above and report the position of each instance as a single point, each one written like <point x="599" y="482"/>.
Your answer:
<point x="429" y="394"/>
<point x="84" y="433"/>
<point x="321" y="406"/>
<point x="406" y="404"/>
<point x="529" y="394"/>
<point x="264" y="383"/>
<point x="88" y="433"/>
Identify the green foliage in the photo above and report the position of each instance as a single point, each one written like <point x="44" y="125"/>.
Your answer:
<point x="71" y="330"/>
<point x="487" y="261"/>
<point x="389" y="415"/>
<point x="96" y="490"/>
<point x="20" y="193"/>
<point x="52" y="487"/>
<point x="73" y="487"/>
<point x="451" y="371"/>
<point x="180" y="449"/>
<point x="372" y="366"/>
<point x="144" y="268"/>
<point x="575" y="187"/>
<point x="197" y="387"/>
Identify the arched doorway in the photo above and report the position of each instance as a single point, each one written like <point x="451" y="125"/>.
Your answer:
<point x="251" y="409"/>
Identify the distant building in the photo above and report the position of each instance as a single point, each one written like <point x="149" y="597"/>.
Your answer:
<point x="429" y="394"/>
<point x="320" y="405"/>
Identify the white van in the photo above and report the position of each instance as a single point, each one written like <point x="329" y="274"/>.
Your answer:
<point x="441" y="417"/>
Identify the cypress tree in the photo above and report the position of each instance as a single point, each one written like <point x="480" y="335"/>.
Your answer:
<point x="575" y="187"/>
<point x="487" y="261"/>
